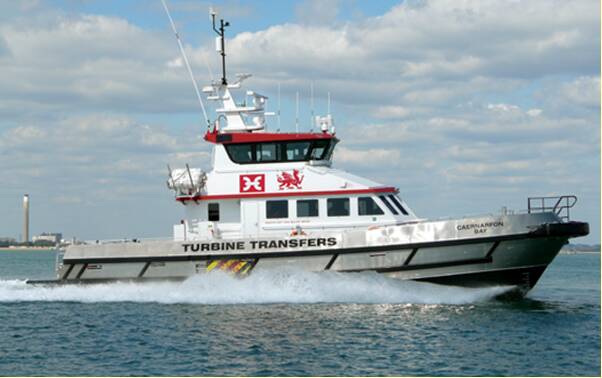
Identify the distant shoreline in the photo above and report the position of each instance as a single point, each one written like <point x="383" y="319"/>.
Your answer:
<point x="15" y="249"/>
<point x="574" y="252"/>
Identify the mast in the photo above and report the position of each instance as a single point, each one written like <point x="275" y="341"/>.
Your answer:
<point x="221" y="48"/>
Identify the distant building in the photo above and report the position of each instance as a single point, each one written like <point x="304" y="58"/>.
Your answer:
<point x="7" y="242"/>
<point x="48" y="237"/>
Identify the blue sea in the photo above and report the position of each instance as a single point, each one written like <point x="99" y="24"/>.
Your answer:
<point x="297" y="323"/>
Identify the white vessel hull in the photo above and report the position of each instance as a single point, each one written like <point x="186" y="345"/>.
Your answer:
<point x="504" y="250"/>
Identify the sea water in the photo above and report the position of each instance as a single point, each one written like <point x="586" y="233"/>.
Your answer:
<point x="287" y="322"/>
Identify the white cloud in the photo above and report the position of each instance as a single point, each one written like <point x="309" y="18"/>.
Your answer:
<point x="451" y="101"/>
<point x="583" y="91"/>
<point x="370" y="157"/>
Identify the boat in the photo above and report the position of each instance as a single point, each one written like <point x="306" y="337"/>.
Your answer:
<point x="275" y="200"/>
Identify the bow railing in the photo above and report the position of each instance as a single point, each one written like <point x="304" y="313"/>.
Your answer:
<point x="559" y="205"/>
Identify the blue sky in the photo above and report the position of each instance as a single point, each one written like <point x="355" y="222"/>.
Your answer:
<point x="465" y="106"/>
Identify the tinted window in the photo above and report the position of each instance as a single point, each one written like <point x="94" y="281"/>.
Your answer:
<point x="272" y="152"/>
<point x="398" y="204"/>
<point x="337" y="207"/>
<point x="320" y="148"/>
<point x="241" y="153"/>
<point x="213" y="210"/>
<point x="388" y="204"/>
<point x="367" y="206"/>
<point x="276" y="209"/>
<point x="296" y="151"/>
<point x="307" y="208"/>
<point x="268" y="152"/>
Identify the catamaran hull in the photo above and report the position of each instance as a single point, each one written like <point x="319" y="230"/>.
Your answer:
<point x="517" y="258"/>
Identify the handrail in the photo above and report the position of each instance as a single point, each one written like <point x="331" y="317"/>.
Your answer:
<point x="560" y="207"/>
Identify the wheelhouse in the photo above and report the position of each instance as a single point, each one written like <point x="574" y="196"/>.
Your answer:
<point x="260" y="148"/>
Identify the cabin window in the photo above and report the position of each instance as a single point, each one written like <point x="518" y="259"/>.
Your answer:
<point x="397" y="203"/>
<point x="307" y="208"/>
<point x="320" y="149"/>
<point x="388" y="204"/>
<point x="213" y="212"/>
<point x="296" y="151"/>
<point x="367" y="206"/>
<point x="268" y="152"/>
<point x="241" y="153"/>
<point x="338" y="207"/>
<point x="276" y="209"/>
<point x="274" y="152"/>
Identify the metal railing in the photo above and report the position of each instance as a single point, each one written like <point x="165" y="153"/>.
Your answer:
<point x="560" y="205"/>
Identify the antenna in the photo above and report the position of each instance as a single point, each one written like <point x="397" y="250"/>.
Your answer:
<point x="196" y="88"/>
<point x="220" y="45"/>
<point x="278" y="106"/>
<point x="311" y="87"/>
<point x="328" y="102"/>
<point x="297" y="113"/>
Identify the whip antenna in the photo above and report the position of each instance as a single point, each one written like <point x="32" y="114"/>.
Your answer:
<point x="278" y="106"/>
<point x="311" y="122"/>
<point x="297" y="113"/>
<point x="196" y="88"/>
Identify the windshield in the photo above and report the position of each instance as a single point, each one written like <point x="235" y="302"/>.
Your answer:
<point x="276" y="152"/>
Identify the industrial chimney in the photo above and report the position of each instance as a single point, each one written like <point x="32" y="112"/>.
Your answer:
<point x="26" y="218"/>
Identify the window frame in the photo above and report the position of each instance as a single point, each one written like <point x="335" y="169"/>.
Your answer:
<point x="209" y="212"/>
<point x="281" y="148"/>
<point x="397" y="202"/>
<point x="317" y="208"/>
<point x="359" y="207"/>
<point x="271" y="202"/>
<point x="391" y="208"/>
<point x="338" y="199"/>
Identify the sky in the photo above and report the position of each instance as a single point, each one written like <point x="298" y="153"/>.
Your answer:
<point x="465" y="106"/>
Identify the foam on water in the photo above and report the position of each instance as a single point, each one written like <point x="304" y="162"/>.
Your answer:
<point x="284" y="286"/>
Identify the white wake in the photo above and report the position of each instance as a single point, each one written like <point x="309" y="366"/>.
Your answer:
<point x="260" y="287"/>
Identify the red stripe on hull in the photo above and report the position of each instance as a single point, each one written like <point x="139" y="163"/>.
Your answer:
<point x="389" y="189"/>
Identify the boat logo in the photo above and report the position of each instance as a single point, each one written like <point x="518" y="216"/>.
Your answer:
<point x="290" y="180"/>
<point x="251" y="183"/>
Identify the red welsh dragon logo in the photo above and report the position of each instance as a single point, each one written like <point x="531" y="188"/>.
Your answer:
<point x="290" y="181"/>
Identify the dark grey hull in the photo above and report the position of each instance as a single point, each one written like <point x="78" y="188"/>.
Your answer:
<point x="513" y="259"/>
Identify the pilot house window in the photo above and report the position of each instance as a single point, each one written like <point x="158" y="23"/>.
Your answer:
<point x="268" y="152"/>
<point x="276" y="209"/>
<point x="367" y="206"/>
<point x="337" y="207"/>
<point x="274" y="152"/>
<point x="213" y="212"/>
<point x="241" y="153"/>
<point x="296" y="151"/>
